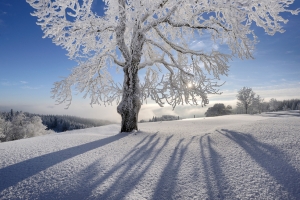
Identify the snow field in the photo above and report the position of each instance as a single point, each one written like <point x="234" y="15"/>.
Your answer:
<point x="228" y="157"/>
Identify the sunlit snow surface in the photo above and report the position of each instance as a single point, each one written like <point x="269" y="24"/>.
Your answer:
<point x="228" y="157"/>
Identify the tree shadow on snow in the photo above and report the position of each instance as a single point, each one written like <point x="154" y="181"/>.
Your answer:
<point x="131" y="169"/>
<point x="271" y="159"/>
<point x="119" y="180"/>
<point x="128" y="173"/>
<point x="216" y="182"/>
<point x="18" y="172"/>
<point x="168" y="178"/>
<point x="122" y="177"/>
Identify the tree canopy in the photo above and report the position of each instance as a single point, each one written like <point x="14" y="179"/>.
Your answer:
<point x="156" y="36"/>
<point x="166" y="27"/>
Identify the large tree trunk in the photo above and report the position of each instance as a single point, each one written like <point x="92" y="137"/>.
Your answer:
<point x="130" y="104"/>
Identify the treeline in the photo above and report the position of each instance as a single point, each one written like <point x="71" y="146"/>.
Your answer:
<point x="250" y="103"/>
<point x="62" y="123"/>
<point x="275" y="105"/>
<point x="270" y="106"/>
<point x="162" y="118"/>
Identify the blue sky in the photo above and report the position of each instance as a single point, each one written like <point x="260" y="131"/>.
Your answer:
<point x="29" y="65"/>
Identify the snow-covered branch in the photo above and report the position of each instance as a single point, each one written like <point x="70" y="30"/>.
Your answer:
<point x="177" y="88"/>
<point x="185" y="24"/>
<point x="158" y="6"/>
<point x="160" y="20"/>
<point x="120" y="30"/>
<point x="175" y="64"/>
<point x="121" y="64"/>
<point x="176" y="47"/>
<point x="92" y="79"/>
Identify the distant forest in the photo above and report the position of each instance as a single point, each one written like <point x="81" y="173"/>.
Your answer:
<point x="162" y="118"/>
<point x="60" y="123"/>
<point x="272" y="105"/>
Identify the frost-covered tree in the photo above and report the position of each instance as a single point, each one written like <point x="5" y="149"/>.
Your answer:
<point x="246" y="98"/>
<point x="258" y="103"/>
<point x="154" y="36"/>
<point x="2" y="136"/>
<point x="274" y="104"/>
<point x="34" y="127"/>
<point x="229" y="107"/>
<point x="18" y="129"/>
<point x="5" y="127"/>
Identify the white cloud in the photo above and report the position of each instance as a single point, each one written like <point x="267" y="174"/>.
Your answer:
<point x="32" y="87"/>
<point x="11" y="83"/>
<point x="8" y="83"/>
<point x="23" y="84"/>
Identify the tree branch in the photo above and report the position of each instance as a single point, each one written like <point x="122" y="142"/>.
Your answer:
<point x="160" y="20"/>
<point x="161" y="5"/>
<point x="121" y="64"/>
<point x="176" y="47"/>
<point x="109" y="28"/>
<point x="120" y="31"/>
<point x="169" y="54"/>
<point x="182" y="24"/>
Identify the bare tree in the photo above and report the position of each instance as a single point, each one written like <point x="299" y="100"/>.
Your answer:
<point x="156" y="36"/>
<point x="246" y="97"/>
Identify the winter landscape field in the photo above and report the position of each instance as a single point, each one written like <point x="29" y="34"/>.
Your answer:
<point x="226" y="157"/>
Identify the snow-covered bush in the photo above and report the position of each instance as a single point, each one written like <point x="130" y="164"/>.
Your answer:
<point x="34" y="127"/>
<point x="21" y="127"/>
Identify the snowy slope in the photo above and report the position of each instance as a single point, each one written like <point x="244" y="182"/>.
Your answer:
<point x="228" y="157"/>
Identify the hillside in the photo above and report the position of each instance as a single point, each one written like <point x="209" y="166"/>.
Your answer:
<point x="227" y="157"/>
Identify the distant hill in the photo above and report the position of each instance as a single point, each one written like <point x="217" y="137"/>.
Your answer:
<point x="60" y="123"/>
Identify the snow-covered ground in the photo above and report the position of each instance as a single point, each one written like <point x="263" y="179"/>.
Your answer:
<point x="228" y="157"/>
